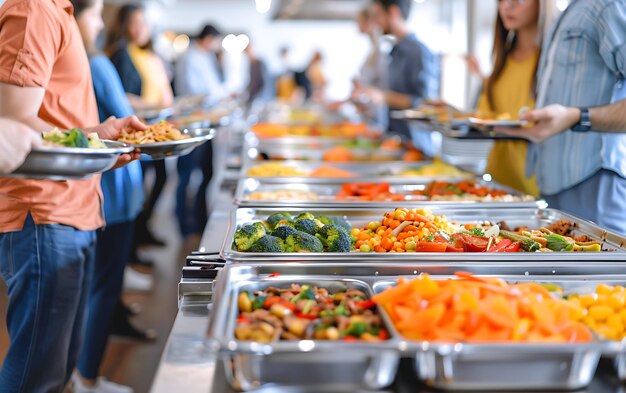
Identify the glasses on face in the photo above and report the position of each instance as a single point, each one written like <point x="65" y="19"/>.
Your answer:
<point x="512" y="3"/>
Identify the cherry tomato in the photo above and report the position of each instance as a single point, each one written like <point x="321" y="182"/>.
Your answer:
<point x="365" y="304"/>
<point x="472" y="243"/>
<point x="513" y="247"/>
<point x="500" y="247"/>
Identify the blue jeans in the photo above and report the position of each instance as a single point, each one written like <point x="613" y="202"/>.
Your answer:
<point x="193" y="219"/>
<point x="113" y="251"/>
<point x="599" y="199"/>
<point x="47" y="269"/>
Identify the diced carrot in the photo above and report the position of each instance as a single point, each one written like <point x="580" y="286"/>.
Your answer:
<point x="363" y="236"/>
<point x="497" y="309"/>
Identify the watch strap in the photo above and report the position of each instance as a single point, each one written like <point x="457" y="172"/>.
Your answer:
<point x="584" y="124"/>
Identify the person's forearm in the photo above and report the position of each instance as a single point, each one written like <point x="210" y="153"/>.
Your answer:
<point x="35" y="123"/>
<point x="398" y="100"/>
<point x="609" y="118"/>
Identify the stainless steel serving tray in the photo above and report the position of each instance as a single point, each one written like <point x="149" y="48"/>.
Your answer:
<point x="178" y="148"/>
<point x="333" y="366"/>
<point x="478" y="367"/>
<point x="326" y="195"/>
<point x="307" y="153"/>
<point x="530" y="217"/>
<point x="65" y="163"/>
<point x="313" y="149"/>
<point x="364" y="172"/>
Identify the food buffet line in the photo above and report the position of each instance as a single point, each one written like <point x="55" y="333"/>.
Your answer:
<point x="342" y="259"/>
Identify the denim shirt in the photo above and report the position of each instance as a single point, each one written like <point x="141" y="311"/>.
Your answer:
<point x="414" y="71"/>
<point x="122" y="188"/>
<point x="583" y="64"/>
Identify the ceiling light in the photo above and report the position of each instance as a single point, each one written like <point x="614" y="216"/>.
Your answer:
<point x="181" y="43"/>
<point x="235" y="44"/>
<point x="263" y="6"/>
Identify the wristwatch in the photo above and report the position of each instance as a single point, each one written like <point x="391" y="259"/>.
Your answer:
<point x="584" y="124"/>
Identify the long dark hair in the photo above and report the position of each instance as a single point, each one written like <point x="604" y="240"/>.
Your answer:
<point x="503" y="45"/>
<point x="81" y="5"/>
<point x="119" y="30"/>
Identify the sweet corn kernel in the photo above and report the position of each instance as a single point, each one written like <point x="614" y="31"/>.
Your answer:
<point x="617" y="301"/>
<point x="604" y="289"/>
<point x="600" y="312"/>
<point x="615" y="323"/>
<point x="577" y="313"/>
<point x="587" y="300"/>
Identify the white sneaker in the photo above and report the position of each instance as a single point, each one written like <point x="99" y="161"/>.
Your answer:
<point x="102" y="386"/>
<point x="136" y="281"/>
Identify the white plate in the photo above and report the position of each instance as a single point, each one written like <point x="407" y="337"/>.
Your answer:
<point x="498" y="123"/>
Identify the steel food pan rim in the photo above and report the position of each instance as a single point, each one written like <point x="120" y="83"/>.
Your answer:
<point x="618" y="255"/>
<point x="245" y="185"/>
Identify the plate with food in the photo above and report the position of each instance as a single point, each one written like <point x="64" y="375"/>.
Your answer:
<point x="499" y="120"/>
<point x="497" y="123"/>
<point x="163" y="140"/>
<point x="70" y="155"/>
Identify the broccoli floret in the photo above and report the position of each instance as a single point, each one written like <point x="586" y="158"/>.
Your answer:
<point x="302" y="242"/>
<point x="284" y="223"/>
<point x="283" y="231"/>
<point x="306" y="225"/>
<point x="248" y="234"/>
<point x="305" y="216"/>
<point x="339" y="221"/>
<point x="274" y="219"/>
<point x="334" y="238"/>
<point x="267" y="244"/>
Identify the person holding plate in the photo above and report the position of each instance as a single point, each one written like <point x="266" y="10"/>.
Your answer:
<point x="520" y="28"/>
<point x="582" y="66"/>
<point x="47" y="228"/>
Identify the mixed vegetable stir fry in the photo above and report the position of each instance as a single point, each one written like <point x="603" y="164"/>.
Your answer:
<point x="307" y="312"/>
<point x="73" y="138"/>
<point x="419" y="230"/>
<point x="467" y="190"/>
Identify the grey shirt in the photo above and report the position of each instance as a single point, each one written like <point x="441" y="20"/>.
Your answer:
<point x="413" y="70"/>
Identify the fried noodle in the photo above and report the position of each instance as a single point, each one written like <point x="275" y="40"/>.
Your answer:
<point x="161" y="132"/>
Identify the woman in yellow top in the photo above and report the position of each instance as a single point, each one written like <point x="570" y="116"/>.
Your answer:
<point x="142" y="72"/>
<point x="517" y="45"/>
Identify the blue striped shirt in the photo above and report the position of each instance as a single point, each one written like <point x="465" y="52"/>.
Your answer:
<point x="583" y="64"/>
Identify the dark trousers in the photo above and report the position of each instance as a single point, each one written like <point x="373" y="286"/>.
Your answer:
<point x="113" y="251"/>
<point x="192" y="218"/>
<point x="159" y="183"/>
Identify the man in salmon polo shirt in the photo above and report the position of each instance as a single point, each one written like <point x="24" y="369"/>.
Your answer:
<point x="47" y="228"/>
